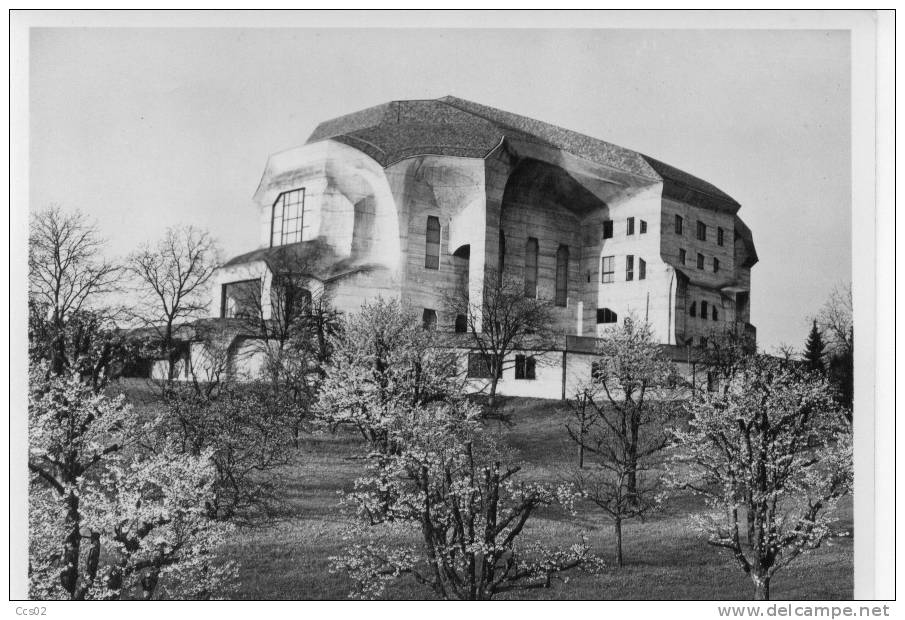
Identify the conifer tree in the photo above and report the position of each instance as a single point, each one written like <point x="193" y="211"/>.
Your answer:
<point x="814" y="349"/>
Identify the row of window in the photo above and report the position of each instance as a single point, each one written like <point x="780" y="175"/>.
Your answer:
<point x="629" y="227"/>
<point x="532" y="250"/>
<point x="481" y="366"/>
<point x="693" y="311"/>
<point x="701" y="230"/>
<point x="683" y="258"/>
<point x="608" y="270"/>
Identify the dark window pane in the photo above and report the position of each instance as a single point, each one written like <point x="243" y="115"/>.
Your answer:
<point x="562" y="275"/>
<point x="429" y="318"/>
<point x="643" y="227"/>
<point x="700" y="261"/>
<point x="519" y="366"/>
<point x="630" y="226"/>
<point x="461" y="324"/>
<point x="693" y="309"/>
<point x="608" y="229"/>
<point x="432" y="245"/>
<point x="479" y="365"/>
<point x="642" y="269"/>
<point x="531" y="250"/>
<point x="678" y="224"/>
<point x="605" y="315"/>
<point x="629" y="268"/>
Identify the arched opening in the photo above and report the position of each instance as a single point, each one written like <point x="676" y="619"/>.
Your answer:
<point x="461" y="263"/>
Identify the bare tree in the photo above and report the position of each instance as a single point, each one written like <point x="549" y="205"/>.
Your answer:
<point x="504" y="322"/>
<point x="172" y="281"/>
<point x="293" y="329"/>
<point x="581" y="408"/>
<point x="835" y="320"/>
<point x="67" y="276"/>
<point x="625" y="445"/>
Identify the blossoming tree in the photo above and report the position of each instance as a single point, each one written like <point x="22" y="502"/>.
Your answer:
<point x="771" y="458"/>
<point x="445" y="510"/>
<point x="108" y="518"/>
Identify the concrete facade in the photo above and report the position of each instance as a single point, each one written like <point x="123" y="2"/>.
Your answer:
<point x="365" y="194"/>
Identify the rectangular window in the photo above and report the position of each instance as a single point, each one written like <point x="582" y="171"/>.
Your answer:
<point x="700" y="261"/>
<point x="642" y="269"/>
<point x="630" y="226"/>
<point x="607" y="269"/>
<point x="629" y="268"/>
<point x="562" y="276"/>
<point x="719" y="236"/>
<point x="702" y="231"/>
<point x="682" y="256"/>
<point x="524" y="367"/>
<point x="240" y="299"/>
<point x="432" y="243"/>
<point x="481" y="366"/>
<point x="703" y="309"/>
<point x="715" y="316"/>
<point x="693" y="310"/>
<point x="716" y="265"/>
<point x="287" y="222"/>
<point x="643" y="225"/>
<point x="608" y="229"/>
<point x="605" y="315"/>
<point x="429" y="318"/>
<point x="461" y="326"/>
<point x="678" y="224"/>
<point x="531" y="268"/>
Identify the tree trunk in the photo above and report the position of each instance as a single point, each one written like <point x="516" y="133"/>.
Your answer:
<point x="491" y="400"/>
<point x="69" y="576"/>
<point x="761" y="587"/>
<point x="581" y="455"/>
<point x="618" y="526"/>
<point x="632" y="482"/>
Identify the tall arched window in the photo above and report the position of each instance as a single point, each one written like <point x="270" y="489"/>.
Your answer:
<point x="562" y="275"/>
<point x="432" y="246"/>
<point x="501" y="259"/>
<point x="531" y="268"/>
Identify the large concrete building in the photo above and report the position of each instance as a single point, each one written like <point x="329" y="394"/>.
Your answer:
<point x="412" y="199"/>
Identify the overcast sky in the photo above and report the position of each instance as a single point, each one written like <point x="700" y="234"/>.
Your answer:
<point x="142" y="129"/>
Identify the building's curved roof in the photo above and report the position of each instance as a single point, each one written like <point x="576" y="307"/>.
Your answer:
<point x="451" y="126"/>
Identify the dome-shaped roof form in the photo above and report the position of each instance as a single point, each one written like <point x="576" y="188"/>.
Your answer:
<point x="451" y="126"/>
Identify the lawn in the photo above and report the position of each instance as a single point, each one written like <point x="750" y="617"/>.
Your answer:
<point x="665" y="558"/>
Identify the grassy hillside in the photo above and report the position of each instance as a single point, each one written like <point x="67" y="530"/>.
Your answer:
<point x="665" y="558"/>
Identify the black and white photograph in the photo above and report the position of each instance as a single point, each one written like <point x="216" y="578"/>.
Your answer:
<point x="440" y="306"/>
